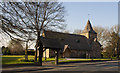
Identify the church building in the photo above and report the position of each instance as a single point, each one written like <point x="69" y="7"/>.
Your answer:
<point x="84" y="45"/>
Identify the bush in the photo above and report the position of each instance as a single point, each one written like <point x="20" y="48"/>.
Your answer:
<point x="5" y="50"/>
<point x="107" y="55"/>
<point x="16" y="47"/>
<point x="119" y="58"/>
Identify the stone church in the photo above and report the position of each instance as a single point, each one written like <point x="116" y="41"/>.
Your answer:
<point x="84" y="45"/>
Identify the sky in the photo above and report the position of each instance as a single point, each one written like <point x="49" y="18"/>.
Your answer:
<point x="104" y="14"/>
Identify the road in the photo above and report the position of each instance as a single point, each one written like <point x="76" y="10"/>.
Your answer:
<point x="111" y="66"/>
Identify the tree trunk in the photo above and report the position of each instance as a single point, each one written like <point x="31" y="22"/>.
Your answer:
<point x="26" y="50"/>
<point x="37" y="45"/>
<point x="56" y="57"/>
<point x="40" y="55"/>
<point x="35" y="54"/>
<point x="118" y="49"/>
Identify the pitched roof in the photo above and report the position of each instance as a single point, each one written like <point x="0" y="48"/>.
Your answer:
<point x="88" y="28"/>
<point x="74" y="41"/>
<point x="51" y="43"/>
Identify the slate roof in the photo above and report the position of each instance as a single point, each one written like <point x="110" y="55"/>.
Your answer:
<point x="88" y="28"/>
<point x="57" y="39"/>
<point x="51" y="43"/>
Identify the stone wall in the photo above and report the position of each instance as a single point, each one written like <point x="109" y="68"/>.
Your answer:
<point x="78" y="53"/>
<point x="46" y="53"/>
<point x="72" y="53"/>
<point x="49" y="53"/>
<point x="85" y="34"/>
<point x="66" y="53"/>
<point x="96" y="50"/>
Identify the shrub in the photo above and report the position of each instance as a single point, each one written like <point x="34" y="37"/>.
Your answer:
<point x="5" y="50"/>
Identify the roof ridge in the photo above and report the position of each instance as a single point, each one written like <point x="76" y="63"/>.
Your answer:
<point x="64" y="33"/>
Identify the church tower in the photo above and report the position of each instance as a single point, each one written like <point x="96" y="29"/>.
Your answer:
<point x="92" y="39"/>
<point x="89" y="32"/>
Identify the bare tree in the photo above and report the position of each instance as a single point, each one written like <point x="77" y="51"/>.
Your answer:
<point x="18" y="18"/>
<point x="77" y="31"/>
<point x="103" y="35"/>
<point x="109" y="38"/>
<point x="66" y="31"/>
<point x="15" y="47"/>
<point x="115" y="38"/>
<point x="27" y="45"/>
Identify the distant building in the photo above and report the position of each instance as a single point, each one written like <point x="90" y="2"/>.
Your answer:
<point x="84" y="45"/>
<point x="31" y="51"/>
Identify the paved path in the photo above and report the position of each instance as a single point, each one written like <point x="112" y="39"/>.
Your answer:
<point x="83" y="67"/>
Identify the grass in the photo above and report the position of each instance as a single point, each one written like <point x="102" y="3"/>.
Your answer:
<point x="14" y="59"/>
<point x="17" y="59"/>
<point x="81" y="60"/>
<point x="114" y="58"/>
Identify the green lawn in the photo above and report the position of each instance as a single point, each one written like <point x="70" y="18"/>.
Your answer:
<point x="13" y="59"/>
<point x="84" y="60"/>
<point x="16" y="59"/>
<point x="81" y="60"/>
